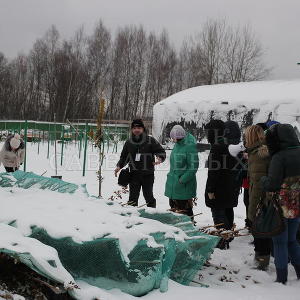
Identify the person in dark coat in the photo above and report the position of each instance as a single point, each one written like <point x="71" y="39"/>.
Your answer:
<point x="223" y="180"/>
<point x="284" y="178"/>
<point x="139" y="152"/>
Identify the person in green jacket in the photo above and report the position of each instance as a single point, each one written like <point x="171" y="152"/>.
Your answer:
<point x="181" y="185"/>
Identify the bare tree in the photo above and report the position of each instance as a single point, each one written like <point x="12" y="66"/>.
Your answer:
<point x="243" y="56"/>
<point x="132" y="71"/>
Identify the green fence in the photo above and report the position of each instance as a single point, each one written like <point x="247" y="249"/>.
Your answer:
<point x="62" y="133"/>
<point x="41" y="130"/>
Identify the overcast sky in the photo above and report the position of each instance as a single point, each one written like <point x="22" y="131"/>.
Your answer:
<point x="276" y="22"/>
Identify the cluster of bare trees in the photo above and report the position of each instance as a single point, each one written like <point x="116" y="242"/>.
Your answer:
<point x="132" y="70"/>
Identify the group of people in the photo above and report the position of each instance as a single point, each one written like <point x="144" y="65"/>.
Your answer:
<point x="264" y="160"/>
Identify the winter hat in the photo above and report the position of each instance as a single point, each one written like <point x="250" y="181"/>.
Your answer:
<point x="137" y="123"/>
<point x="15" y="142"/>
<point x="177" y="133"/>
<point x="232" y="132"/>
<point x="214" y="131"/>
<point x="271" y="123"/>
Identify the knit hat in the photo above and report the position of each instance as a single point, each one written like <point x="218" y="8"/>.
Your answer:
<point x="271" y="123"/>
<point x="15" y="142"/>
<point x="177" y="133"/>
<point x="137" y="123"/>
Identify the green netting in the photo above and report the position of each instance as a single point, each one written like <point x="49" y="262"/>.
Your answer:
<point x="27" y="180"/>
<point x="190" y="255"/>
<point x="31" y="252"/>
<point x="100" y="262"/>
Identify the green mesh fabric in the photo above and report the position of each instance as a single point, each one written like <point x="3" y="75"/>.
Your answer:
<point x="27" y="180"/>
<point x="100" y="262"/>
<point x="192" y="253"/>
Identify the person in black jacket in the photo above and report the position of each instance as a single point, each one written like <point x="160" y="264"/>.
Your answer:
<point x="224" y="176"/>
<point x="284" y="178"/>
<point x="139" y="152"/>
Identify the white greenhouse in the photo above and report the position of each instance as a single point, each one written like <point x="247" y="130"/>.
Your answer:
<point x="247" y="103"/>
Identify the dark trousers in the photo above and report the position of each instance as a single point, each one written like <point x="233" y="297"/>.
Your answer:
<point x="263" y="247"/>
<point x="11" y="169"/>
<point x="138" y="181"/>
<point x="224" y="216"/>
<point x="183" y="206"/>
<point x="286" y="246"/>
<point x="246" y="202"/>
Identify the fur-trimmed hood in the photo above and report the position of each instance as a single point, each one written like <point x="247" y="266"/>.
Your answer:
<point x="7" y="145"/>
<point x="261" y="150"/>
<point x="10" y="158"/>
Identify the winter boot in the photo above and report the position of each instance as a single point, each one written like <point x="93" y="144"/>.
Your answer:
<point x="282" y="275"/>
<point x="262" y="261"/>
<point x="297" y="269"/>
<point x="223" y="244"/>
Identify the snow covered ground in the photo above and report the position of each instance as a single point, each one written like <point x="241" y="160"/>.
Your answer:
<point x="230" y="274"/>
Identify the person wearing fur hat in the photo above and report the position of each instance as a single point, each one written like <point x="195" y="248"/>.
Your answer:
<point x="139" y="153"/>
<point x="181" y="184"/>
<point x="13" y="153"/>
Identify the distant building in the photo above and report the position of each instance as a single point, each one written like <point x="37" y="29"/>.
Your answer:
<point x="247" y="103"/>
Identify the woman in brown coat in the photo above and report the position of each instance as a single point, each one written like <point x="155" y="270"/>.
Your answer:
<point x="258" y="164"/>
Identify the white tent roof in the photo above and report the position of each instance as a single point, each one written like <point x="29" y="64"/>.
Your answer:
<point x="281" y="98"/>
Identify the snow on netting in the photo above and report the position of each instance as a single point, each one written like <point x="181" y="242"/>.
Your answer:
<point x="28" y="179"/>
<point x="101" y="242"/>
<point x="39" y="257"/>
